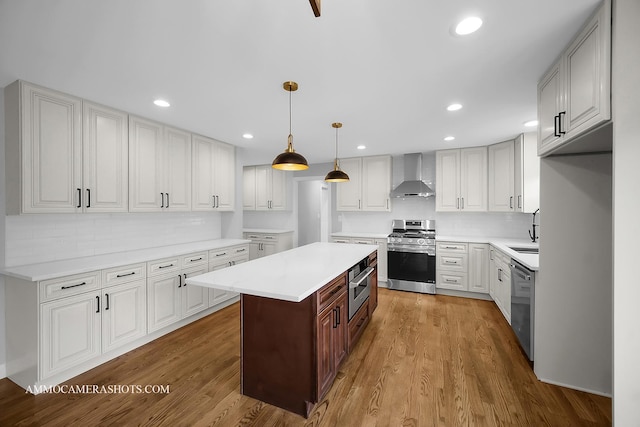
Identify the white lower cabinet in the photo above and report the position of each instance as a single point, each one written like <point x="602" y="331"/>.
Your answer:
<point x="265" y="244"/>
<point x="124" y="309"/>
<point x="500" y="281"/>
<point x="223" y="259"/>
<point x="64" y="326"/>
<point x="462" y="266"/>
<point x="69" y="333"/>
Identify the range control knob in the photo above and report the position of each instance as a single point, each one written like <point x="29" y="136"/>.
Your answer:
<point x="421" y="241"/>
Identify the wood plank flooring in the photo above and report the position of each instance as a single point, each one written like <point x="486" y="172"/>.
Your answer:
<point x="424" y="360"/>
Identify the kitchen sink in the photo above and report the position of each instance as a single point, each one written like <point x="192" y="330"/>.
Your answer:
<point x="524" y="250"/>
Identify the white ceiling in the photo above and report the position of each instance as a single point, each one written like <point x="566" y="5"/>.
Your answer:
<point x="386" y="69"/>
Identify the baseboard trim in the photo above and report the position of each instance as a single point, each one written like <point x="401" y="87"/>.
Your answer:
<point x="586" y="390"/>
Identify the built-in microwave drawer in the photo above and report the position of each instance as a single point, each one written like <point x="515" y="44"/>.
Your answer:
<point x="70" y="285"/>
<point x="117" y="275"/>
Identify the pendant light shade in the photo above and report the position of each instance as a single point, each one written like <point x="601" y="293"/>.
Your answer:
<point x="336" y="175"/>
<point x="290" y="160"/>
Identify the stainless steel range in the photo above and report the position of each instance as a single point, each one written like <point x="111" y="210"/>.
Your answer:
<point x="412" y="256"/>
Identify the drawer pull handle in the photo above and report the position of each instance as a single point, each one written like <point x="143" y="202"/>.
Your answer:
<point x="361" y="322"/>
<point x="195" y="259"/>
<point x="165" y="266"/>
<point x="241" y="250"/>
<point x="222" y="254"/>
<point x="73" y="286"/>
<point x="451" y="280"/>
<point x="451" y="262"/>
<point x="335" y="291"/>
<point x="125" y="275"/>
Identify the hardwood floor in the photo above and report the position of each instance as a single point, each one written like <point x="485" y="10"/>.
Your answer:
<point x="424" y="360"/>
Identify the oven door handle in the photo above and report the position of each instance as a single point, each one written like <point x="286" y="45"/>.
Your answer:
<point x="361" y="278"/>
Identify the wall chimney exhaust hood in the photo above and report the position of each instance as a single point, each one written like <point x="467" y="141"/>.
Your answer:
<point x="412" y="186"/>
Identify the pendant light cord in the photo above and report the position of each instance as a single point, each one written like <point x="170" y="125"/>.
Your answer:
<point x="289" y="111"/>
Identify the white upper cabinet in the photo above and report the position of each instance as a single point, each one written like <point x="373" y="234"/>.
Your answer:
<point x="213" y="175"/>
<point x="159" y="167"/>
<point x="501" y="177"/>
<point x="574" y="95"/>
<point x="264" y="188"/>
<point x="461" y="180"/>
<point x="43" y="150"/>
<point x="514" y="175"/>
<point x="105" y="153"/>
<point x="369" y="184"/>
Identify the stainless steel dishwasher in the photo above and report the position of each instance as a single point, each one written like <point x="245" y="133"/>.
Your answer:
<point x="522" y="305"/>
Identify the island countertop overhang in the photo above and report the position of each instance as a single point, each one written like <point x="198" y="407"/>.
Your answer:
<point x="291" y="275"/>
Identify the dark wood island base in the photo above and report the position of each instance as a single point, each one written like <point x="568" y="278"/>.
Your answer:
<point x="291" y="351"/>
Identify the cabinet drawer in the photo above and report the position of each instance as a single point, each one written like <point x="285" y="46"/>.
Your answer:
<point x="452" y="262"/>
<point x="330" y="292"/>
<point x="162" y="266"/>
<point x="341" y="240"/>
<point x="70" y="285"/>
<point x="361" y="241"/>
<point x="446" y="280"/>
<point x="452" y="247"/>
<point x="195" y="259"/>
<point x="240" y="250"/>
<point x="358" y="323"/>
<point x="117" y="275"/>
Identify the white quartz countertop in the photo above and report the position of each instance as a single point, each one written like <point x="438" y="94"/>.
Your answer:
<point x="55" y="269"/>
<point x="266" y="230"/>
<point x="363" y="235"/>
<point x="504" y="245"/>
<point x="291" y="275"/>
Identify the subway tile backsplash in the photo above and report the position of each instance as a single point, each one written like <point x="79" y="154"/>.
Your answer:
<point x="41" y="238"/>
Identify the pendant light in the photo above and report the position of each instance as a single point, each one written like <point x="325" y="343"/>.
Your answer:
<point x="290" y="160"/>
<point x="336" y="175"/>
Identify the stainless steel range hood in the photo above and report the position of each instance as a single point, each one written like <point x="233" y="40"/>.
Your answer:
<point x="413" y="186"/>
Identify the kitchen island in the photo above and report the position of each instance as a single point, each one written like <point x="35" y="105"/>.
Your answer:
<point x="295" y="328"/>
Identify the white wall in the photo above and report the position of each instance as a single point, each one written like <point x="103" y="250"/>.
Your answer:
<point x="626" y="178"/>
<point x="3" y="352"/>
<point x="573" y="295"/>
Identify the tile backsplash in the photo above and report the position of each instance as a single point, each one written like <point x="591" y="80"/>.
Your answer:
<point x="41" y="238"/>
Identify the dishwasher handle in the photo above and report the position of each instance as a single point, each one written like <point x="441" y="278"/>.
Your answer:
<point x="519" y="272"/>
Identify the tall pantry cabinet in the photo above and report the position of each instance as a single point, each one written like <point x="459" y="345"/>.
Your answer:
<point x="53" y="165"/>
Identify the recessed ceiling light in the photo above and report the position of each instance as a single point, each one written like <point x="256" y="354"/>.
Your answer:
<point x="247" y="136"/>
<point x="468" y="25"/>
<point x="531" y="123"/>
<point x="454" y="107"/>
<point x="161" y="103"/>
<point x="361" y="147"/>
<point x="449" y="138"/>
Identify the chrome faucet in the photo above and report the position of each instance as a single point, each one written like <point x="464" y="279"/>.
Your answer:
<point x="533" y="235"/>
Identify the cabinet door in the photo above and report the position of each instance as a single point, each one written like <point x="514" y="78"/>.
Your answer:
<point x="164" y="301"/>
<point x="448" y="180"/>
<point x="587" y="74"/>
<point x="278" y="190"/>
<point x="493" y="274"/>
<point x="263" y="187"/>
<point x="527" y="173"/>
<point x="269" y="248"/>
<point x="69" y="332"/>
<point x="501" y="177"/>
<point x="105" y="162"/>
<point x="376" y="183"/>
<point x="51" y="151"/>
<point x="202" y="198"/>
<point x="249" y="188"/>
<point x="146" y="164"/>
<point x="224" y="176"/>
<point x="348" y="194"/>
<point x="124" y="314"/>
<point x="479" y="267"/>
<point x="194" y="298"/>
<point x="255" y="250"/>
<point x="341" y="332"/>
<point x="473" y="179"/>
<point x="549" y="106"/>
<point x="177" y="170"/>
<point x="326" y="324"/>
